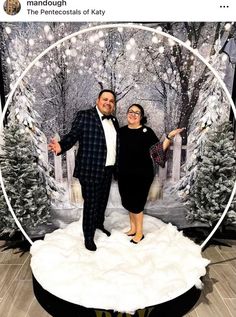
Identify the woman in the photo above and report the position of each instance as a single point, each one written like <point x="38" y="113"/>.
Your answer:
<point x="136" y="171"/>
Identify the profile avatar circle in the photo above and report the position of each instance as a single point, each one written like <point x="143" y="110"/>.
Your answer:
<point x="12" y="7"/>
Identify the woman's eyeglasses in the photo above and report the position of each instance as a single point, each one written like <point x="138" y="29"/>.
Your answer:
<point x="134" y="113"/>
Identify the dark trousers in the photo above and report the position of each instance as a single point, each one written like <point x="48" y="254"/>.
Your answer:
<point x="95" y="197"/>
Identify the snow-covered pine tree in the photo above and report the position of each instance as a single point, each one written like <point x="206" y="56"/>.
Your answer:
<point x="24" y="181"/>
<point x="23" y="117"/>
<point x="212" y="109"/>
<point x="214" y="178"/>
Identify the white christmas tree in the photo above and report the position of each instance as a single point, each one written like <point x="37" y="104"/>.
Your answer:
<point x="24" y="181"/>
<point x="212" y="109"/>
<point x="24" y="159"/>
<point x="214" y="178"/>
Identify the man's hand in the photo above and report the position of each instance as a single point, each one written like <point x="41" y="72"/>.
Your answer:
<point x="54" y="146"/>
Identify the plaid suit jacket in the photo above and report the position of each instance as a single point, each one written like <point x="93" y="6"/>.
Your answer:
<point x="91" y="157"/>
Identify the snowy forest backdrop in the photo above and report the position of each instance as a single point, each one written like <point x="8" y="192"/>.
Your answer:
<point x="175" y="88"/>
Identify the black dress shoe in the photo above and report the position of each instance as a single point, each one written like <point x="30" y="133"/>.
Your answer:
<point x="104" y="231"/>
<point x="136" y="242"/>
<point x="90" y="245"/>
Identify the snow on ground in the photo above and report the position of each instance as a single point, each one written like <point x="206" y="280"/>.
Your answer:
<point x="120" y="275"/>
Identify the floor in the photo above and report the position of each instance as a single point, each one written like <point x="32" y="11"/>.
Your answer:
<point x="218" y="298"/>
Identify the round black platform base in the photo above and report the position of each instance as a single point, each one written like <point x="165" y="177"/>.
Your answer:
<point x="58" y="307"/>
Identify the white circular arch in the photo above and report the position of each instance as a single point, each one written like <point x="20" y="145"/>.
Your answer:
<point x="109" y="26"/>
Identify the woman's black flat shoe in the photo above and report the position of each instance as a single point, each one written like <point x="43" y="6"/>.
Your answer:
<point x="136" y="242"/>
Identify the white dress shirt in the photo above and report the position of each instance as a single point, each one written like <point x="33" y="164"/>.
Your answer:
<point x="110" y="136"/>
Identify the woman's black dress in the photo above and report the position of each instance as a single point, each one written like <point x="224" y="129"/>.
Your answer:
<point x="136" y="170"/>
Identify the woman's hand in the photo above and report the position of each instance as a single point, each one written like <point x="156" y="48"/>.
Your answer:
<point x="171" y="136"/>
<point x="54" y="146"/>
<point x="173" y="133"/>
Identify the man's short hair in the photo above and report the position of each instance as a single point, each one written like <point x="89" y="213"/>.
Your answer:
<point x="107" y="90"/>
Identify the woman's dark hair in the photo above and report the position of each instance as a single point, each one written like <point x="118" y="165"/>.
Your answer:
<point x="143" y="117"/>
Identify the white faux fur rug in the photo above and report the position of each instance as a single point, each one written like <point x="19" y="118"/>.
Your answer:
<point x="120" y="275"/>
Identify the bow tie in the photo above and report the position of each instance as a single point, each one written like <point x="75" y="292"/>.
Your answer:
<point x="107" y="117"/>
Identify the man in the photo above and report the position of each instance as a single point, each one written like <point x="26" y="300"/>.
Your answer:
<point x="96" y="131"/>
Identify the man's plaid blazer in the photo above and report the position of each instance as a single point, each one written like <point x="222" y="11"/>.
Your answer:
<point x="91" y="157"/>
